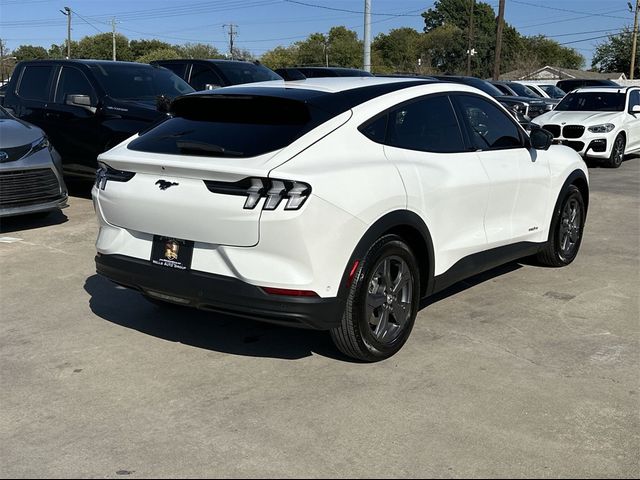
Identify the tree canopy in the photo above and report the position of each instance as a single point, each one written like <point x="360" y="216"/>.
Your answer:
<point x="614" y="55"/>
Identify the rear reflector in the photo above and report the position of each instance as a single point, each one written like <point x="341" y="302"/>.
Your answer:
<point x="289" y="293"/>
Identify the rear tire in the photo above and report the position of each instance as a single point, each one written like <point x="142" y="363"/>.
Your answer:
<point x="617" y="152"/>
<point x="567" y="226"/>
<point x="382" y="303"/>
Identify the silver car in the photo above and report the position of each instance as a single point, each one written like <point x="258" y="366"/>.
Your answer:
<point x="30" y="169"/>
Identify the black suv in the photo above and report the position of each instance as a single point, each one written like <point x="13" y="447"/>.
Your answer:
<point x="573" y="83"/>
<point x="88" y="106"/>
<point x="210" y="74"/>
<point x="300" y="73"/>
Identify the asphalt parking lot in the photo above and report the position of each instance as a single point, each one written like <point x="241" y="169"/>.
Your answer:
<point x="521" y="372"/>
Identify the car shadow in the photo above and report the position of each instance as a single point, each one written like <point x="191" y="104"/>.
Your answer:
<point x="475" y="280"/>
<point x="229" y="334"/>
<point x="31" y="221"/>
<point x="79" y="187"/>
<point x="206" y="330"/>
<point x="596" y="163"/>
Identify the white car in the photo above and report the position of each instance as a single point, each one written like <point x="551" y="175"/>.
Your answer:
<point x="333" y="203"/>
<point x="602" y="123"/>
<point x="545" y="90"/>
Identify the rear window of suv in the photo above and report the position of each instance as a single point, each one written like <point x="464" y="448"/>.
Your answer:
<point x="230" y="126"/>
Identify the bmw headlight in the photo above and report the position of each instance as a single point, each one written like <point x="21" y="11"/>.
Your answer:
<point x="604" y="128"/>
<point x="40" y="144"/>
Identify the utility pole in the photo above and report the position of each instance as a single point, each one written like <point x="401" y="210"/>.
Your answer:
<point x="469" y="49"/>
<point x="113" y="36"/>
<point x="496" y="62"/>
<point x="232" y="34"/>
<point x="635" y="38"/>
<point x="367" y="35"/>
<point x="67" y="12"/>
<point x="1" y="61"/>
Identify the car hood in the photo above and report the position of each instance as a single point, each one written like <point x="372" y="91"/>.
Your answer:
<point x="135" y="108"/>
<point x="529" y="100"/>
<point x="579" y="118"/>
<point x="16" y="133"/>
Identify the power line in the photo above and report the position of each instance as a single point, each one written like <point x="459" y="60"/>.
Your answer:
<point x="566" y="10"/>
<point x="87" y="21"/>
<point x="360" y="12"/>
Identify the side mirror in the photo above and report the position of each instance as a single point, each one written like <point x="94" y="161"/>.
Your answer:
<point x="211" y="86"/>
<point x="83" y="101"/>
<point x="635" y="109"/>
<point x="540" y="138"/>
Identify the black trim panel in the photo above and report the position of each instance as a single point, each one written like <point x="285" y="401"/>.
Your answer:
<point x="483" y="261"/>
<point x="221" y="294"/>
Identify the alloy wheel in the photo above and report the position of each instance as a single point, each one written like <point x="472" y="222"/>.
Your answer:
<point x="389" y="298"/>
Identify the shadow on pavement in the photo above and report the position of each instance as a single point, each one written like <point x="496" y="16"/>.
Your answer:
<point x="228" y="334"/>
<point x="80" y="188"/>
<point x="210" y="331"/>
<point x="33" y="220"/>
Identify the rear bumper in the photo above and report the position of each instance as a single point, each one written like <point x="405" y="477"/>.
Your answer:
<point x="219" y="293"/>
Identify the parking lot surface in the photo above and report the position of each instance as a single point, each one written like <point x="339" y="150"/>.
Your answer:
<point x="523" y="371"/>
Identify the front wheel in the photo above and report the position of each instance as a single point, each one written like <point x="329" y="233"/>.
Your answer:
<point x="382" y="303"/>
<point x="566" y="231"/>
<point x="617" y="152"/>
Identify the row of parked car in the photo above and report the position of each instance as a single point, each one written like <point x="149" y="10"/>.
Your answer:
<point x="73" y="110"/>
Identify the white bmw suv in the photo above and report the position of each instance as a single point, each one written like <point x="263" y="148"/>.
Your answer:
<point x="602" y="123"/>
<point x="334" y="203"/>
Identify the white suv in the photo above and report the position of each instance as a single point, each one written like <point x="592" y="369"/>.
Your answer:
<point x="602" y="123"/>
<point x="333" y="203"/>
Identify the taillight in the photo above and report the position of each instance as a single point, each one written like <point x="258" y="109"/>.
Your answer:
<point x="106" y="173"/>
<point x="273" y="190"/>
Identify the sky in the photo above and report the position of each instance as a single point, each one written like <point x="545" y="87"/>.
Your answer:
<point x="264" y="24"/>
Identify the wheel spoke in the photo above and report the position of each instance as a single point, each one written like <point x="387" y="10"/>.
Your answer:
<point x="401" y="312"/>
<point x="386" y="273"/>
<point x="383" y="324"/>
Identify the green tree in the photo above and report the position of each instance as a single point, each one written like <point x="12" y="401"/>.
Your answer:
<point x="457" y="13"/>
<point x="280" y="57"/>
<point x="197" y="50"/>
<point x="30" y="52"/>
<point x="311" y="51"/>
<point x="143" y="47"/>
<point x="399" y="49"/>
<point x="100" y="47"/>
<point x="614" y="55"/>
<point x="340" y="48"/>
<point x="159" y="54"/>
<point x="345" y="50"/>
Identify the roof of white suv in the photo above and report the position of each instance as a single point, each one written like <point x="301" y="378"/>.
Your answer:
<point x="604" y="89"/>
<point x="338" y="84"/>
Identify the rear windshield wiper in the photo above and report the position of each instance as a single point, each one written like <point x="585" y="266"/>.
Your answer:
<point x="206" y="147"/>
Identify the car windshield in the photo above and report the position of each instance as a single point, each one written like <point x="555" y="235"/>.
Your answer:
<point x="523" y="90"/>
<point x="592" y="102"/>
<point x="4" y="114"/>
<point x="139" y="82"/>
<point x="238" y="73"/>
<point x="553" y="91"/>
<point x="486" y="87"/>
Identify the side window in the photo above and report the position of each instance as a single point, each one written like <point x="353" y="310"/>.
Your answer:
<point x="634" y="98"/>
<point x="489" y="127"/>
<point x="502" y="88"/>
<point x="427" y="125"/>
<point x="34" y="84"/>
<point x="376" y="130"/>
<point x="201" y="76"/>
<point x="73" y="82"/>
<point x="180" y="69"/>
